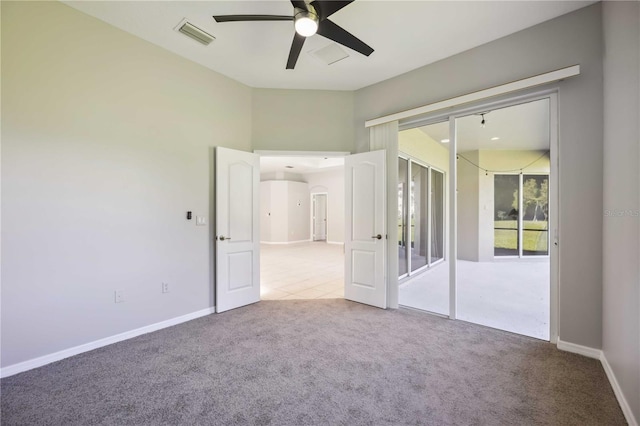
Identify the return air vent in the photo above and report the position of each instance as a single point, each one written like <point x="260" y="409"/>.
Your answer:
<point x="195" y="33"/>
<point x="329" y="54"/>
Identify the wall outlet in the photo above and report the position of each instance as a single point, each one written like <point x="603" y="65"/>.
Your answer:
<point x="119" y="296"/>
<point x="165" y="287"/>
<point x="201" y="220"/>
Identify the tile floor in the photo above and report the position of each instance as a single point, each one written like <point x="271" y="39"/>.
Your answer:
<point x="511" y="295"/>
<point x="313" y="270"/>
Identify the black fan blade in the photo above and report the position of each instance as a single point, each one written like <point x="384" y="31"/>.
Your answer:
<point x="296" y="47"/>
<point x="243" y="18"/>
<point x="300" y="4"/>
<point x="327" y="8"/>
<point x="336" y="33"/>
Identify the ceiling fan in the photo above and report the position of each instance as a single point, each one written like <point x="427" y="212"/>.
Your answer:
<point x="309" y="18"/>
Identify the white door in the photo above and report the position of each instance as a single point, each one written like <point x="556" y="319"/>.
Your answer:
<point x="365" y="228"/>
<point x="237" y="229"/>
<point x="319" y="217"/>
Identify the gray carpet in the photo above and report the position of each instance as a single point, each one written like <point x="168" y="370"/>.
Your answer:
<point x="316" y="362"/>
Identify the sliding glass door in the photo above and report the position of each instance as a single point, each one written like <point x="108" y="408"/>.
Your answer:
<point x="437" y="215"/>
<point x="419" y="211"/>
<point x="521" y="210"/>
<point x="420" y="216"/>
<point x="403" y="170"/>
<point x="498" y="165"/>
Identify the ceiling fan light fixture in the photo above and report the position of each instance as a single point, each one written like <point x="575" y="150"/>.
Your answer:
<point x="306" y="23"/>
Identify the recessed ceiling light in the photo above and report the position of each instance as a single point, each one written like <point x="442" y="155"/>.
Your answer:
<point x="495" y="138"/>
<point x="289" y="167"/>
<point x="445" y="141"/>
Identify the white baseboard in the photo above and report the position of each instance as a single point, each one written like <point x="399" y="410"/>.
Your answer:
<point x="10" y="370"/>
<point x="579" y="349"/>
<point x="626" y="409"/>
<point x="335" y="242"/>
<point x="599" y="355"/>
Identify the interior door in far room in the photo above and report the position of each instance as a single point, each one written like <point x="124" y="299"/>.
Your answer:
<point x="365" y="228"/>
<point x="237" y="232"/>
<point x="319" y="217"/>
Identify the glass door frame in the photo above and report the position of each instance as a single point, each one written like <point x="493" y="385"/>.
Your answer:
<point x="463" y="110"/>
<point x="407" y="210"/>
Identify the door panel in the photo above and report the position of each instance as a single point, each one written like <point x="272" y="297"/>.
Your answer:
<point x="365" y="239"/>
<point x="237" y="229"/>
<point x="320" y="217"/>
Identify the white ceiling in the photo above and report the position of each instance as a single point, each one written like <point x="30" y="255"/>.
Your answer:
<point x="405" y="35"/>
<point x="520" y="127"/>
<point x="300" y="165"/>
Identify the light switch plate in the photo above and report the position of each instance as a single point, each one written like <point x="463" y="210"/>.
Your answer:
<point x="201" y="220"/>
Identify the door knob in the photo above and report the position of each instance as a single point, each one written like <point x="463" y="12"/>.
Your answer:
<point x="222" y="238"/>
<point x="377" y="237"/>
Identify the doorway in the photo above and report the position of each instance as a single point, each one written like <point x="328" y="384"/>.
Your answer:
<point x="245" y="200"/>
<point x="302" y="226"/>
<point x="319" y="216"/>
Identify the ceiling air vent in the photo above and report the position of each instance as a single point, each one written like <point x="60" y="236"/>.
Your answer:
<point x="195" y="33"/>
<point x="329" y="54"/>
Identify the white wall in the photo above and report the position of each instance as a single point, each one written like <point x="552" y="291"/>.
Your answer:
<point x="106" y="144"/>
<point x="575" y="38"/>
<point x="284" y="212"/>
<point x="265" y="211"/>
<point x="331" y="182"/>
<point x="295" y="177"/>
<point x="621" y="246"/>
<point x="299" y="212"/>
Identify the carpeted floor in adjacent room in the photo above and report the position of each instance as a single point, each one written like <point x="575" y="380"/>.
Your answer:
<point x="316" y="362"/>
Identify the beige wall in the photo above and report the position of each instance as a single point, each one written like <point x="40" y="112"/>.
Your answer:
<point x="417" y="144"/>
<point x="106" y="144"/>
<point x="303" y="120"/>
<point x="512" y="160"/>
<point x="468" y="197"/>
<point x="621" y="274"/>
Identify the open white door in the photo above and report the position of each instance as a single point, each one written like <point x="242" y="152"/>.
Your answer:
<point x="365" y="228"/>
<point x="237" y="229"/>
